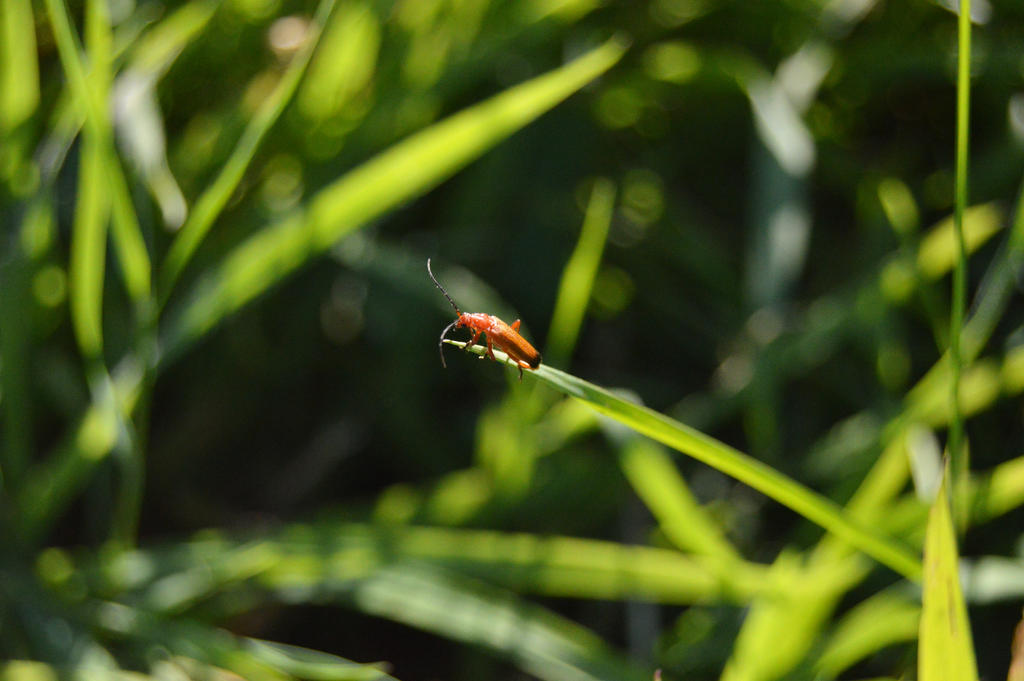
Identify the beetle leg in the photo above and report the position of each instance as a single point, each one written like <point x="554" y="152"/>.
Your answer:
<point x="472" y="341"/>
<point x="490" y="350"/>
<point x="515" y="325"/>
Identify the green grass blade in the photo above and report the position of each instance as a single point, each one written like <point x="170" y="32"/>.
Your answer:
<point x="131" y="248"/>
<point x="959" y="464"/>
<point x="780" y="627"/>
<point x="406" y="170"/>
<point x="304" y="663"/>
<point x="19" y="70"/>
<point x="882" y="620"/>
<point x="578" y="276"/>
<point x="539" y="642"/>
<point x="657" y="481"/>
<point x="88" y="252"/>
<point x="945" y="650"/>
<point x="51" y="486"/>
<point x="732" y="462"/>
<point x="998" y="492"/>
<point x="212" y="201"/>
<point x="940" y="248"/>
<point x="330" y="556"/>
<point x="154" y="52"/>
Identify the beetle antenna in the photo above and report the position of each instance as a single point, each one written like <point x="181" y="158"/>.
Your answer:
<point x="438" y="284"/>
<point x="440" y="343"/>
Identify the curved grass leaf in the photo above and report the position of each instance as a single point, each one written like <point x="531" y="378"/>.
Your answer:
<point x="579" y="274"/>
<point x="732" y="462"/>
<point x="882" y="620"/>
<point x="657" y="481"/>
<point x="216" y="196"/>
<point x="406" y="170"/>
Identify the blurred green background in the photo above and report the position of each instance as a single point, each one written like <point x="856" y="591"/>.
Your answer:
<point x="228" y="441"/>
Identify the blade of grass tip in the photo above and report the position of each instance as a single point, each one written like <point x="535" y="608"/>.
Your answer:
<point x="578" y="277"/>
<point x="19" y="70"/>
<point x="131" y="248"/>
<point x="212" y="201"/>
<point x="88" y="252"/>
<point x="404" y="171"/>
<point x="730" y="461"/>
<point x="945" y="650"/>
<point x="959" y="464"/>
<point x="154" y="52"/>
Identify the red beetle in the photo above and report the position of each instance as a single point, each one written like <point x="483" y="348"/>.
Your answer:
<point x="497" y="333"/>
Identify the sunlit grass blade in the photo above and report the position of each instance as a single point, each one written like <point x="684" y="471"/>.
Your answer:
<point x="19" y="70"/>
<point x="410" y="575"/>
<point x="332" y="556"/>
<point x="404" y="171"/>
<point x="203" y="651"/>
<point x="940" y="251"/>
<point x="732" y="462"/>
<point x="959" y="461"/>
<point x="780" y="627"/>
<point x="131" y="248"/>
<point x="882" y="620"/>
<point x="52" y="485"/>
<point x="154" y="52"/>
<point x="32" y="670"/>
<point x="88" y="252"/>
<point x="945" y="650"/>
<point x="212" y="201"/>
<point x="539" y="642"/>
<point x="657" y="481"/>
<point x="579" y="273"/>
<point x="304" y="663"/>
<point x="998" y="492"/>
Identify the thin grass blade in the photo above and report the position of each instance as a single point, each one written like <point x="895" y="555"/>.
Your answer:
<point x="579" y="273"/>
<point x="131" y="248"/>
<point x="732" y="462"/>
<point x="212" y="201"/>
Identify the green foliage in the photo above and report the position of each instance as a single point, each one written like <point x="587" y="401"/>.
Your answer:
<point x="946" y="650"/>
<point x="228" y="451"/>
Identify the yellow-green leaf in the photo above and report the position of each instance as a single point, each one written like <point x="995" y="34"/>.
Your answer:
<point x="945" y="650"/>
